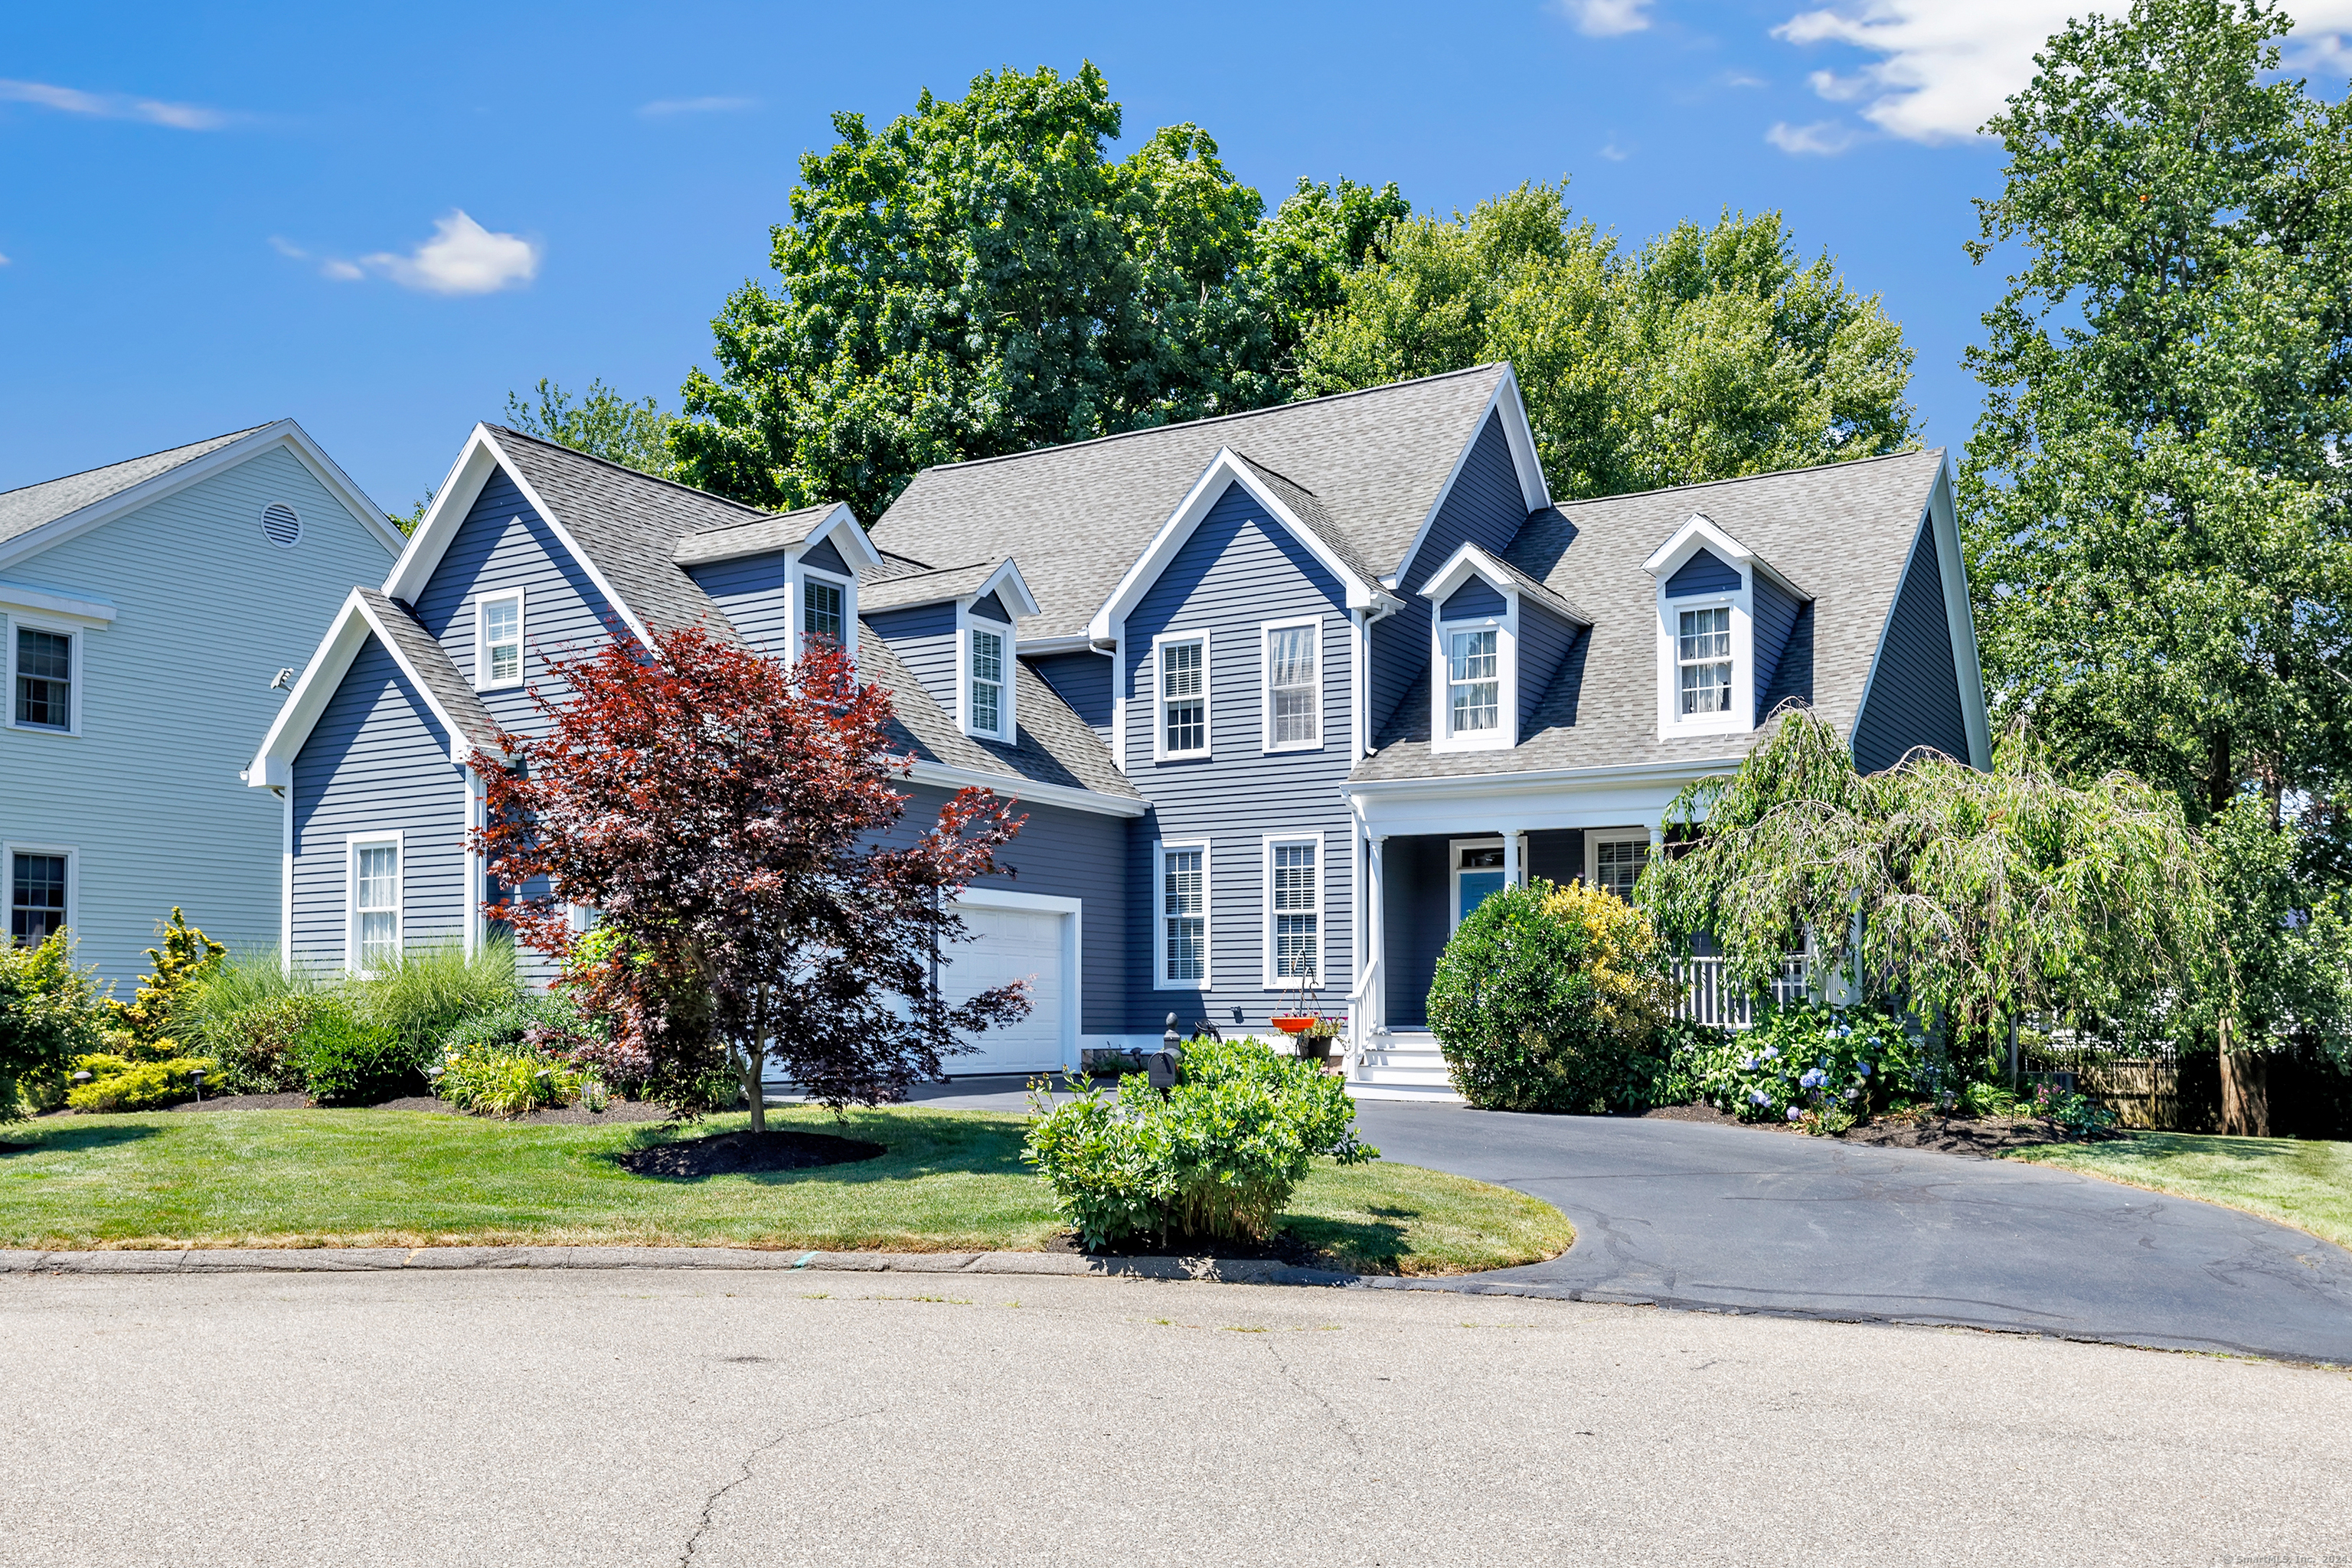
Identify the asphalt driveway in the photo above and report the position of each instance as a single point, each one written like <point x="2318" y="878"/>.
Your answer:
<point x="1734" y="1219"/>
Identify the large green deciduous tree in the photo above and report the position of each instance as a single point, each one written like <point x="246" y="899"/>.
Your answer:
<point x="2154" y="498"/>
<point x="1705" y="354"/>
<point x="978" y="278"/>
<point x="603" y="424"/>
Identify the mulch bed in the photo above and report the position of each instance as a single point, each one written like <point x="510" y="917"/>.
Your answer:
<point x="734" y="1153"/>
<point x="1983" y="1136"/>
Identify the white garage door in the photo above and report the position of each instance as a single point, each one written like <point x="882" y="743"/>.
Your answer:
<point x="1009" y="945"/>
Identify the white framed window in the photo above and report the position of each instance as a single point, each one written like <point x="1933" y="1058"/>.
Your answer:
<point x="1477" y="875"/>
<point x="498" y="641"/>
<point x="1294" y="911"/>
<point x="372" y="864"/>
<point x="1180" y="678"/>
<point x="986" y="687"/>
<point x="822" y="601"/>
<point x="1180" y="895"/>
<point x="1473" y="679"/>
<point x="1617" y="860"/>
<point x="41" y="887"/>
<point x="1703" y="660"/>
<point x="43" y="676"/>
<point x="1292" y="693"/>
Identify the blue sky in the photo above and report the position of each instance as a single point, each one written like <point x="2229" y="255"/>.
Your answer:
<point x="214" y="216"/>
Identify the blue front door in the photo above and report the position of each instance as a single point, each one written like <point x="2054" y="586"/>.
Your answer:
<point x="1474" y="887"/>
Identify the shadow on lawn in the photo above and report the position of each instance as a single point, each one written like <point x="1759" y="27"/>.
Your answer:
<point x="100" y="1135"/>
<point x="2158" y="1146"/>
<point x="915" y="1147"/>
<point x="1360" y="1246"/>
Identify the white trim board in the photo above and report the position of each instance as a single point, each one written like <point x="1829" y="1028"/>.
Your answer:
<point x="353" y="625"/>
<point x="1073" y="913"/>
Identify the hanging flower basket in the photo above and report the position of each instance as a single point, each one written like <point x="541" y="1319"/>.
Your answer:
<point x="1296" y="1023"/>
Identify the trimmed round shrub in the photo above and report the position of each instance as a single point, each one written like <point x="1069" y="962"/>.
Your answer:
<point x="1554" y="999"/>
<point x="262" y="1047"/>
<point x="347" y="1060"/>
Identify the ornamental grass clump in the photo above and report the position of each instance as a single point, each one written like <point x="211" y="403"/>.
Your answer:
<point x="1216" y="1159"/>
<point x="1554" y="999"/>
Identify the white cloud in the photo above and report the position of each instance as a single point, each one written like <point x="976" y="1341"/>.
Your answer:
<point x="662" y="108"/>
<point x="4" y="262"/>
<point x="1944" y="69"/>
<point x="1613" y="152"/>
<point x="1823" y="138"/>
<point x="1742" y="78"/>
<point x="1605" y="18"/>
<point x="112" y="105"/>
<point x="462" y="258"/>
<point x="338" y="270"/>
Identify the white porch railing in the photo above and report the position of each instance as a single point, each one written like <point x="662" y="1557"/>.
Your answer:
<point x="1706" y="1000"/>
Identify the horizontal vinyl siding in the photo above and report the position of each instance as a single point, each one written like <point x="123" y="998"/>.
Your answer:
<point x="1062" y="854"/>
<point x="1474" y="598"/>
<point x="1415" y="884"/>
<point x="502" y="546"/>
<point x="376" y="762"/>
<point x="1485" y="506"/>
<point x="1775" y="618"/>
<point x="988" y="606"/>
<point x="754" y="593"/>
<point x="924" y="637"/>
<point x="825" y="558"/>
<point x="1915" y="692"/>
<point x="1084" y="681"/>
<point x="1238" y="570"/>
<point x="1544" y="642"/>
<point x="1556" y="855"/>
<point x="1705" y="572"/>
<point x="174" y="698"/>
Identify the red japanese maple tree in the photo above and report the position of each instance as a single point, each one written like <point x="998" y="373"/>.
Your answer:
<point x="729" y="818"/>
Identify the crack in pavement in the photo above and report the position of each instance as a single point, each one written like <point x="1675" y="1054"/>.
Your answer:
<point x="710" y="1503"/>
<point x="1329" y="1408"/>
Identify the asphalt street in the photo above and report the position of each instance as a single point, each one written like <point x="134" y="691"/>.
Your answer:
<point x="1688" y="1214"/>
<point x="710" y="1419"/>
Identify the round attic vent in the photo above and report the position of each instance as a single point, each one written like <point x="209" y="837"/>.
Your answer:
<point x="280" y="524"/>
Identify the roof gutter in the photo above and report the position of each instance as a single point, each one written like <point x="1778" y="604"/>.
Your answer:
<point x="1014" y="787"/>
<point x="1535" y="780"/>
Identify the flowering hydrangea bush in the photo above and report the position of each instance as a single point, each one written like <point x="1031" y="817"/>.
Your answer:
<point x="1825" y="1068"/>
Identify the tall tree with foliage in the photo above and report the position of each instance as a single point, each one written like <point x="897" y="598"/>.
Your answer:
<point x="1707" y="353"/>
<point x="603" y="424"/>
<point x="727" y="817"/>
<point x="2154" y="498"/>
<point x="977" y="277"/>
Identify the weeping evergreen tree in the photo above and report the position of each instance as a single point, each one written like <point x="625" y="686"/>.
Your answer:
<point x="1975" y="898"/>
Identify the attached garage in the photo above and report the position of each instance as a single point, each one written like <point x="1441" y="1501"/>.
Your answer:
<point x="1018" y="936"/>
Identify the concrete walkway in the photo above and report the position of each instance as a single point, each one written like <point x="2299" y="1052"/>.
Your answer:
<point x="1733" y="1219"/>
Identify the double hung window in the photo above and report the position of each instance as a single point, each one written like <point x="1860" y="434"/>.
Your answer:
<point x="820" y="611"/>
<point x="44" y="694"/>
<point x="1295" y="900"/>
<point x="1184" y="698"/>
<point x="36" y="897"/>
<point x="1702" y="650"/>
<point x="1184" y="914"/>
<point x="376" y="905"/>
<point x="1617" y="864"/>
<point x="987" y="681"/>
<point x="500" y="652"/>
<point x="1294" y="689"/>
<point x="1474" y="686"/>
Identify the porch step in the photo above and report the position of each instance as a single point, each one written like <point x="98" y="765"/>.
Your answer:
<point x="1403" y="1064"/>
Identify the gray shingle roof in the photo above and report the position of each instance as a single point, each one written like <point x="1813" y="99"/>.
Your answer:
<point x="22" y="510"/>
<point x="423" y="654"/>
<point x="754" y="535"/>
<point x="1077" y="516"/>
<point x="1307" y="507"/>
<point x="1844" y="531"/>
<point x="924" y="587"/>
<point x="1055" y="746"/>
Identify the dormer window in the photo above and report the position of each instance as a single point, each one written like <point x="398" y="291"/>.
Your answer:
<point x="498" y="655"/>
<point x="1473" y="685"/>
<point x="821" y="611"/>
<point x="987" y="681"/>
<point x="1704" y="655"/>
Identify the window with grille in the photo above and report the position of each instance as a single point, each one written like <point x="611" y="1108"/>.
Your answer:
<point x="987" y="681"/>
<point x="1293" y="688"/>
<point x="36" y="898"/>
<point x="1617" y="864"/>
<point x="1296" y="895"/>
<point x="44" y="678"/>
<point x="1184" y="698"/>
<point x="821" y="611"/>
<point x="1474" y="686"/>
<point x="376" y="905"/>
<point x="1704" y="652"/>
<point x="1183" y="915"/>
<point x="502" y="652"/>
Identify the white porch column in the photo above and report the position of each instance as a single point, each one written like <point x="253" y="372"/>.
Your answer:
<point x="1511" y="867"/>
<point x="1372" y="1006"/>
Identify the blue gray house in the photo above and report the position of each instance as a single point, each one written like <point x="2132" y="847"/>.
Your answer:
<point x="144" y="609"/>
<point x="1282" y="694"/>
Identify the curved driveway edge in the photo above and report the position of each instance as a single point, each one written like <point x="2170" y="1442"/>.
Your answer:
<point x="1680" y="1214"/>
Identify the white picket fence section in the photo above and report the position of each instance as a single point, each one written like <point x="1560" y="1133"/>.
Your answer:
<point x="1706" y="999"/>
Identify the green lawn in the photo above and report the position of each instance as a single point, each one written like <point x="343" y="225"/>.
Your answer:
<point x="952" y="1181"/>
<point x="2306" y="1184"/>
